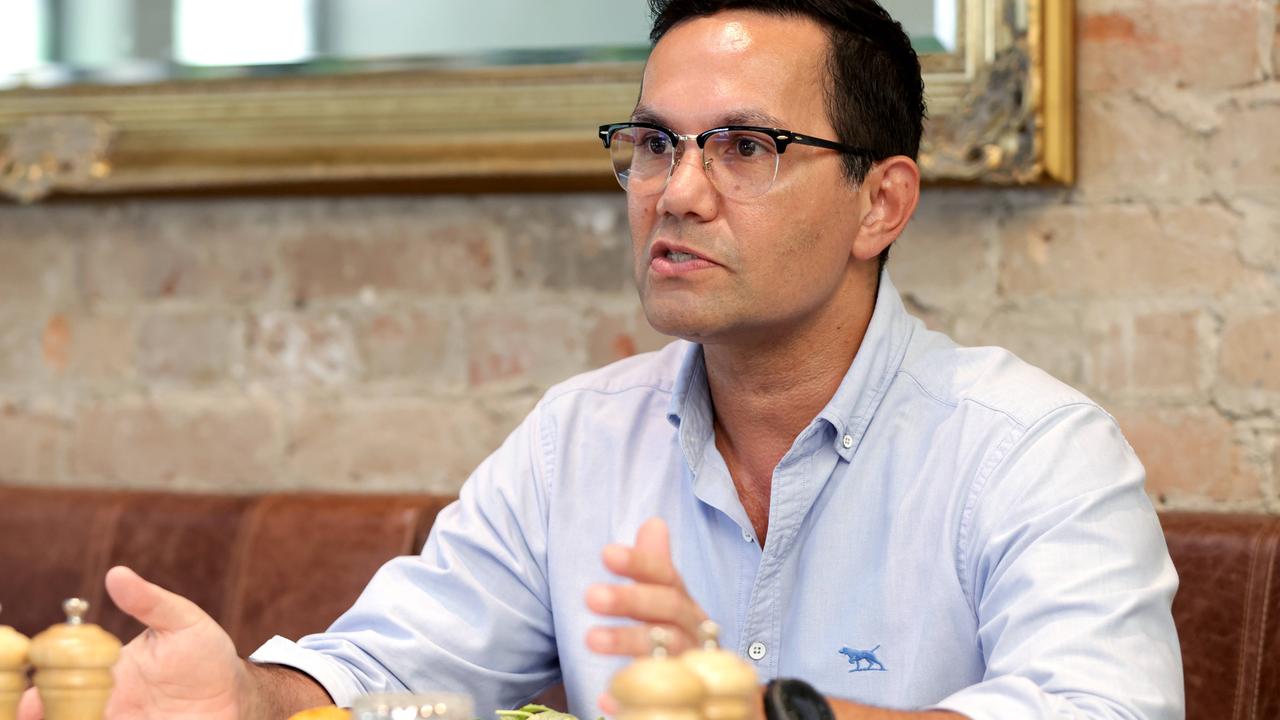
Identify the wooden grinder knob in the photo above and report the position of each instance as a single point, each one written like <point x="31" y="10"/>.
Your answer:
<point x="658" y="687"/>
<point x="13" y="670"/>
<point x="732" y="686"/>
<point x="73" y="666"/>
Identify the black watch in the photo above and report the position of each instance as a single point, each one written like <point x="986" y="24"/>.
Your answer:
<point x="790" y="699"/>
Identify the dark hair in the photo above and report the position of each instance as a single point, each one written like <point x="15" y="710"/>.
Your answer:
<point x="874" y="89"/>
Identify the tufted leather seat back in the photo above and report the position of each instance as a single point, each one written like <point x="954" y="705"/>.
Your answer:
<point x="290" y="564"/>
<point x="265" y="565"/>
<point x="1228" y="612"/>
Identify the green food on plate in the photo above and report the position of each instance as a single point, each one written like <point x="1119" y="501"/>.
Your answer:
<point x="534" y="712"/>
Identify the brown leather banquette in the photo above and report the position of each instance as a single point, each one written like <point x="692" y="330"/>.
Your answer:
<point x="290" y="564"/>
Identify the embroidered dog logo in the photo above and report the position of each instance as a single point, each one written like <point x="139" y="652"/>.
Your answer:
<point x="858" y="657"/>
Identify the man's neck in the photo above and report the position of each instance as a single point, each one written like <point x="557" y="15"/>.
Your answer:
<point x="765" y="393"/>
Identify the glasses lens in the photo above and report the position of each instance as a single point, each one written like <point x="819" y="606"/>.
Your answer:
<point x="642" y="159"/>
<point x="741" y="163"/>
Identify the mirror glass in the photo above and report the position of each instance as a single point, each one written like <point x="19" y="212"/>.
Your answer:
<point x="46" y="43"/>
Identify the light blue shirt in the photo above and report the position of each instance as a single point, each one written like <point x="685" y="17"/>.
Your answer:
<point x="973" y="533"/>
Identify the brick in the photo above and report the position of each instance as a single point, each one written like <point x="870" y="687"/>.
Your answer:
<point x="1250" y="352"/>
<point x="1275" y="49"/>
<point x="102" y="347"/>
<point x="401" y="444"/>
<point x="1203" y="45"/>
<point x="1275" y="469"/>
<point x="193" y="347"/>
<point x="1260" y="233"/>
<point x="35" y="270"/>
<point x="302" y="349"/>
<point x="621" y="333"/>
<point x="1135" y="152"/>
<point x="130" y="268"/>
<point x="535" y="348"/>
<point x="1247" y="148"/>
<point x="21" y="347"/>
<point x="574" y="243"/>
<point x="221" y="444"/>
<point x="1050" y="337"/>
<point x="1188" y="453"/>
<point x="176" y="258"/>
<point x="56" y="343"/>
<point x="409" y="344"/>
<point x="406" y="250"/>
<point x="1121" y="251"/>
<point x="1108" y="369"/>
<point x="32" y="444"/>
<point x="969" y="274"/>
<point x="1166" y="351"/>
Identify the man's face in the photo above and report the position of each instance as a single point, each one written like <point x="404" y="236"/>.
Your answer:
<point x="767" y="264"/>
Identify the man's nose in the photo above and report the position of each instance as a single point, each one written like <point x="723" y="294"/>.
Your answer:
<point x="689" y="190"/>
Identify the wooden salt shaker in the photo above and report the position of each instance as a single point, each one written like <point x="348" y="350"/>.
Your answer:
<point x="733" y="690"/>
<point x="658" y="687"/>
<point x="13" y="670"/>
<point x="73" y="666"/>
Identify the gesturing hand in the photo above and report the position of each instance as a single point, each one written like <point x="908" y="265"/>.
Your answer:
<point x="656" y="596"/>
<point x="182" y="666"/>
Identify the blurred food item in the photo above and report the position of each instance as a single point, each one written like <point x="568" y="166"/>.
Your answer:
<point x="329" y="712"/>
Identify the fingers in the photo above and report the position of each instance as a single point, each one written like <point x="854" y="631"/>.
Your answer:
<point x="29" y="707"/>
<point x="635" y="640"/>
<point x="151" y="604"/>
<point x="659" y="604"/>
<point x="607" y="704"/>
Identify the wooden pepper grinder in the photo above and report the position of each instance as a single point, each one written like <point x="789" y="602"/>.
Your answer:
<point x="658" y="687"/>
<point x="733" y="690"/>
<point x="73" y="666"/>
<point x="13" y="670"/>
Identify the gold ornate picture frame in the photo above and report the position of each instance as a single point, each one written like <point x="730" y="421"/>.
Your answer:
<point x="1001" y="112"/>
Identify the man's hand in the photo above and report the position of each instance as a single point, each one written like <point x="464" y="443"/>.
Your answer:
<point x="656" y="596"/>
<point x="182" y="666"/>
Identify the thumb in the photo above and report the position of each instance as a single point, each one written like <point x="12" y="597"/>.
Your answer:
<point x="151" y="604"/>
<point x="29" y="707"/>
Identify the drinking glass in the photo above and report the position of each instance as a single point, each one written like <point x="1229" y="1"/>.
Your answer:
<point x="412" y="706"/>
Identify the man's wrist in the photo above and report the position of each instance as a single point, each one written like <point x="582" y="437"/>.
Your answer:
<point x="276" y="691"/>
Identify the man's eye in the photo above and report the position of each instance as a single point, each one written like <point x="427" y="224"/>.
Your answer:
<point x="747" y="147"/>
<point x="656" y="143"/>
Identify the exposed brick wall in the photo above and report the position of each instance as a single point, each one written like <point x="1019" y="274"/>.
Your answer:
<point x="372" y="343"/>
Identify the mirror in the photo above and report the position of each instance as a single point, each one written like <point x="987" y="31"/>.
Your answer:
<point x="105" y="96"/>
<point x="45" y="43"/>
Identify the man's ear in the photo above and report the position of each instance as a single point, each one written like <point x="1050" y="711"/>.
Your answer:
<point x="889" y="196"/>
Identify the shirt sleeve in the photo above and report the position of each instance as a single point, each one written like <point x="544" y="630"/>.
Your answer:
<point x="471" y="613"/>
<point x="1066" y="567"/>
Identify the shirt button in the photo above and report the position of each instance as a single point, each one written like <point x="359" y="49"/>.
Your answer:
<point x="847" y="442"/>
<point x="756" y="651"/>
<point x="746" y="535"/>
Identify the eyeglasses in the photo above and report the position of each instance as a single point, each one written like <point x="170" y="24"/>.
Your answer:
<point x="740" y="160"/>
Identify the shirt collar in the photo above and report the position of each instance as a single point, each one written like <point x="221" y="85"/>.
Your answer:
<point x="850" y="409"/>
<point x="859" y="395"/>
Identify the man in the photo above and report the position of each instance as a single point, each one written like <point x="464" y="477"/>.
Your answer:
<point x="857" y="501"/>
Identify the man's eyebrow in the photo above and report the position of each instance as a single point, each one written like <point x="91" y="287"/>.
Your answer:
<point x="752" y="117"/>
<point x="643" y="113"/>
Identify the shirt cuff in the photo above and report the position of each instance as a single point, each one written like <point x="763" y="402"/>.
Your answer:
<point x="332" y="676"/>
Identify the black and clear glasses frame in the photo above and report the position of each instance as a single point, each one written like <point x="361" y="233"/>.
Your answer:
<point x="780" y="138"/>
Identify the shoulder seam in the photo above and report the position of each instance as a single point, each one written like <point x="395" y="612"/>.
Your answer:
<point x="989" y="465"/>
